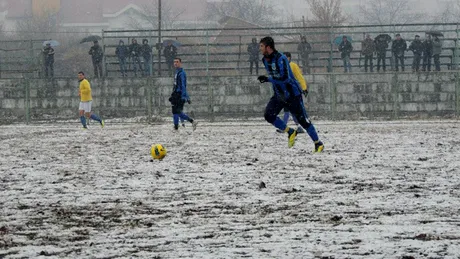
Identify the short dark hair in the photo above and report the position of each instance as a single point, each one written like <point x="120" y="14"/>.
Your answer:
<point x="288" y="54"/>
<point x="180" y="60"/>
<point x="268" y="42"/>
<point x="81" y="72"/>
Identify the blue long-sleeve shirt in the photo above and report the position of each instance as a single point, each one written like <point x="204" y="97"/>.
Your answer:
<point x="285" y="86"/>
<point x="180" y="84"/>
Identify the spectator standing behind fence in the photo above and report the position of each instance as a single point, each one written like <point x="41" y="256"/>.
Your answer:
<point x="135" y="52"/>
<point x="170" y="53"/>
<point x="427" y="53"/>
<point x="146" y="51"/>
<point x="97" y="55"/>
<point x="48" y="53"/>
<point x="368" y="49"/>
<point x="398" y="48"/>
<point x="122" y="53"/>
<point x="253" y="50"/>
<point x="304" y="49"/>
<point x="417" y="48"/>
<point x="346" y="48"/>
<point x="437" y="49"/>
<point x="381" y="46"/>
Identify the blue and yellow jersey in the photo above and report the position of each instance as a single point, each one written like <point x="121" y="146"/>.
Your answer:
<point x="85" y="91"/>
<point x="298" y="75"/>
<point x="285" y="86"/>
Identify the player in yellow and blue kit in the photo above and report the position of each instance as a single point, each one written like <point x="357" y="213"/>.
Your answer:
<point x="303" y="84"/>
<point x="287" y="94"/>
<point x="86" y="101"/>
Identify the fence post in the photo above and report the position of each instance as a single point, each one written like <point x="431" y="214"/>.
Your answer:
<point x="208" y="79"/>
<point x="239" y="55"/>
<point x="331" y="39"/>
<point x="456" y="52"/>
<point x="395" y="90"/>
<point x="27" y="101"/>
<point x="457" y="94"/>
<point x="104" y="58"/>
<point x="149" y="99"/>
<point x="333" y="94"/>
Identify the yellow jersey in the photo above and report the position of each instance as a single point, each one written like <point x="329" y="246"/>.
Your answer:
<point x="298" y="75"/>
<point x="85" y="91"/>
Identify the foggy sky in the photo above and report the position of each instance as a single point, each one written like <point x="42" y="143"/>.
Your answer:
<point x="299" y="7"/>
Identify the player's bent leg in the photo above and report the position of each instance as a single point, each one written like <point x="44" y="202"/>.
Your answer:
<point x="287" y="114"/>
<point x="302" y="117"/>
<point x="299" y="128"/>
<point x="185" y="117"/>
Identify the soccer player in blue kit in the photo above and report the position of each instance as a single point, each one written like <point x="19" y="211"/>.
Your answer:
<point x="179" y="96"/>
<point x="287" y="94"/>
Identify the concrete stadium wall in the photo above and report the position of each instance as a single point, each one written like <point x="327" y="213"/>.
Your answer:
<point x="332" y="96"/>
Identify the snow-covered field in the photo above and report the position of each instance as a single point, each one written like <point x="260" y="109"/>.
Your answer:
<point x="380" y="190"/>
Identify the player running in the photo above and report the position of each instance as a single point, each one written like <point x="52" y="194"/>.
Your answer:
<point x="86" y="100"/>
<point x="287" y="94"/>
<point x="303" y="84"/>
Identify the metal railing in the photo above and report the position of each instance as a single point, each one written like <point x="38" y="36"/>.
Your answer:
<point x="222" y="51"/>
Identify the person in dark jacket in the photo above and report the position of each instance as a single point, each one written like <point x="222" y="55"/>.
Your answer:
<point x="398" y="47"/>
<point x="146" y="51"/>
<point x="253" y="50"/>
<point x="304" y="49"/>
<point x="368" y="49"/>
<point x="48" y="53"/>
<point x="381" y="46"/>
<point x="346" y="48"/>
<point x="135" y="53"/>
<point x="437" y="49"/>
<point x="170" y="53"/>
<point x="417" y="48"/>
<point x="427" y="53"/>
<point x="122" y="53"/>
<point x="97" y="54"/>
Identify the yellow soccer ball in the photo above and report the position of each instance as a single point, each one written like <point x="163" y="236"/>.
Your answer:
<point x="158" y="151"/>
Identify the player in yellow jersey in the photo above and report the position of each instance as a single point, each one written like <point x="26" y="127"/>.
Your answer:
<point x="86" y="100"/>
<point x="303" y="84"/>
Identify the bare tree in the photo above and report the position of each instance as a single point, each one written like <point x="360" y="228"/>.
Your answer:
<point x="450" y="13"/>
<point x="149" y="16"/>
<point x="326" y="12"/>
<point x="255" y="11"/>
<point x="381" y="12"/>
<point x="34" y="27"/>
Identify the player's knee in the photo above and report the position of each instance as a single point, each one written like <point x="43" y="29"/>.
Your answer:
<point x="270" y="118"/>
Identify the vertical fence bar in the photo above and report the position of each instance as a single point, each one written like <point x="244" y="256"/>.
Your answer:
<point x="151" y="54"/>
<point x="208" y="80"/>
<point x="104" y="57"/>
<point x="456" y="52"/>
<point x="331" y="39"/>
<point x="457" y="94"/>
<point x="27" y="95"/>
<point x="239" y="55"/>
<point x="395" y="90"/>
<point x="333" y="94"/>
<point x="159" y="38"/>
<point x="149" y="99"/>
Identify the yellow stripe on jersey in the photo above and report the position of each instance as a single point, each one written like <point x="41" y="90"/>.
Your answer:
<point x="298" y="75"/>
